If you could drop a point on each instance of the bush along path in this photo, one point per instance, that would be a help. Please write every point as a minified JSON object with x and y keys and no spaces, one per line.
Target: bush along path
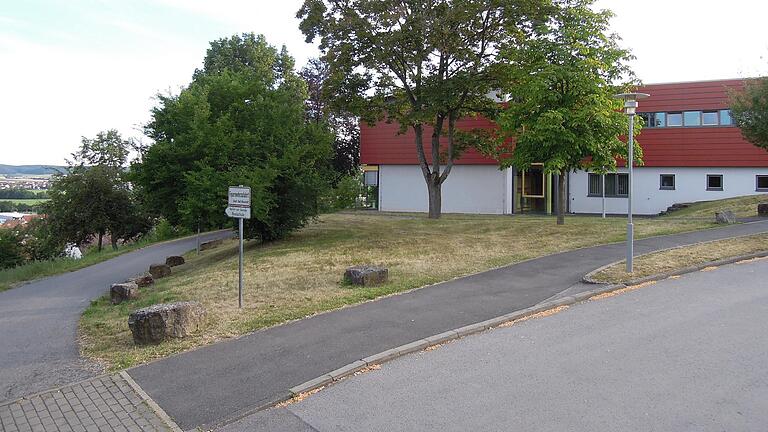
{"x":218,"y":383}
{"x":39,"y":320}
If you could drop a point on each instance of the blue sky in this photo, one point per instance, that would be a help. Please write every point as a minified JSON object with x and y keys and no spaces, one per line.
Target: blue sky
{"x":70,"y":68}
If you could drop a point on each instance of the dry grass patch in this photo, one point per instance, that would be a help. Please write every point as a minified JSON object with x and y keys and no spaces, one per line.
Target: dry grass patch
{"x":745,"y":206}
{"x":682,"y":257}
{"x":302,"y":275}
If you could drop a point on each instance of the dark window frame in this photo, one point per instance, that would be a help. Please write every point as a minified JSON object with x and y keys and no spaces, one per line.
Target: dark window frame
{"x":710,"y":188}
{"x":610,"y":177}
{"x":757,"y":183}
{"x":661,"y":182}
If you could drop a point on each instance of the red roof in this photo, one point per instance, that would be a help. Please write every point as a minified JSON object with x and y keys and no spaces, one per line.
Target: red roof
{"x":721,"y":146}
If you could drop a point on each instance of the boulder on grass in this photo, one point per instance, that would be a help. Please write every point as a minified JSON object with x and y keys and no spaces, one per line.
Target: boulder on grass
{"x":159,"y":270}
{"x":121,"y":292}
{"x":174,"y":261}
{"x":211,"y":244}
{"x":154,"y":324}
{"x":725,"y":217}
{"x":762,"y":209}
{"x":143,"y":280}
{"x":366,"y":275}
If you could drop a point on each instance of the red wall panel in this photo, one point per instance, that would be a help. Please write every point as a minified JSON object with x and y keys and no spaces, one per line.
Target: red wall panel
{"x":721,"y":146}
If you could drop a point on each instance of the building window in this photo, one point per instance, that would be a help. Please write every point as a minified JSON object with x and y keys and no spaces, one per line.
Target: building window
{"x":687,"y":118}
{"x":762,"y":183}
{"x":714,"y":182}
{"x":709,"y":118}
{"x":667,"y":182}
{"x":674,"y":119}
{"x":616,"y":185}
{"x":725,"y":117}
{"x":692,"y":118}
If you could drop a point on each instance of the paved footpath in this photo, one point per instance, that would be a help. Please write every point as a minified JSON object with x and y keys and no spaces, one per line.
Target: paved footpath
{"x":685,"y":354}
{"x":218,"y":383}
{"x":38,"y":320}
{"x":105,"y":403}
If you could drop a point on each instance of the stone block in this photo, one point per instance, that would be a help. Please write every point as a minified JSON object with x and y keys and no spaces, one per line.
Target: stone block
{"x":154,"y":324}
{"x":211,"y":244}
{"x":366,"y":275}
{"x":121,"y":292}
{"x":725,"y":217}
{"x":159,"y":270}
{"x":173,"y":261}
{"x":762,"y":209}
{"x":143,"y":280}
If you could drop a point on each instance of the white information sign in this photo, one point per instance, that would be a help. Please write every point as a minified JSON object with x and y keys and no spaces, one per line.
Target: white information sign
{"x":238,"y":212}
{"x":239,"y":196}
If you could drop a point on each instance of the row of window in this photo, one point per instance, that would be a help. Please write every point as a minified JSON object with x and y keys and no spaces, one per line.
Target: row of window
{"x":687,"y":118}
{"x":617,"y":185}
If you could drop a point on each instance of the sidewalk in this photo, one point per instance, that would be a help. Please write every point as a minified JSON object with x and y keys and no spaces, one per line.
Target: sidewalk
{"x":221,"y":382}
{"x":105,"y":403}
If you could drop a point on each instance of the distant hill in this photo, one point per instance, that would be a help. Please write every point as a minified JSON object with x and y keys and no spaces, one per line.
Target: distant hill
{"x":29,"y":169}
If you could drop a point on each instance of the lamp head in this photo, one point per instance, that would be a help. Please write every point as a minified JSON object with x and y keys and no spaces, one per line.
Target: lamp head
{"x":630,"y":101}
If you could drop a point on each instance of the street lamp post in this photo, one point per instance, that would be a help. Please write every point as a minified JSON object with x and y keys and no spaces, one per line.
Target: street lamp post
{"x":630,"y":107}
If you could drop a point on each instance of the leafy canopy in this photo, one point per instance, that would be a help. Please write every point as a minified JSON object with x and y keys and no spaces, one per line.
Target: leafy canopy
{"x":562,"y":78}
{"x":418,"y":62}
{"x":750,"y":111}
{"x":240,"y":122}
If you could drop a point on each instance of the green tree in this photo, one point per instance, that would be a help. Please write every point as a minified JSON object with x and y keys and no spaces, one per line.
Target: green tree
{"x":563,"y":77}
{"x":418,"y":63}
{"x":345,"y":126}
{"x":93,"y":197}
{"x":240,"y":122}
{"x":749,"y":108}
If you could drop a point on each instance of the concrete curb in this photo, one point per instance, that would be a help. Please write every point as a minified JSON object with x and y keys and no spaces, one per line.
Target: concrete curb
{"x":470,"y":329}
{"x":150,"y":403}
{"x":421,"y":344}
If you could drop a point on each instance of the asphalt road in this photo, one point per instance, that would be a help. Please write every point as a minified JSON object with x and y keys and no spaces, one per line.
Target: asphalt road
{"x":38,"y":321}
{"x":682,"y":355}
{"x":214,"y":384}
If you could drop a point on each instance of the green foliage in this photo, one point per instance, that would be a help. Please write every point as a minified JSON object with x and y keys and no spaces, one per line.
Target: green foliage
{"x":416,"y":63}
{"x":563,"y":77}
{"x":18,"y":193}
{"x":345,"y":126}
{"x":11,"y":251}
{"x":93,"y":198}
{"x":749,"y":108}
{"x":240,"y":122}
{"x":40,"y":242}
{"x":344,"y":195}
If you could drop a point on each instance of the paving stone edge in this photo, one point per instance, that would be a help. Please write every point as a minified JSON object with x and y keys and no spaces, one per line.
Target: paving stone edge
{"x":470,"y":329}
{"x":150,"y":403}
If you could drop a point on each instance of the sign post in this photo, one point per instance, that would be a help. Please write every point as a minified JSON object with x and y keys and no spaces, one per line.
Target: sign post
{"x":239,"y":207}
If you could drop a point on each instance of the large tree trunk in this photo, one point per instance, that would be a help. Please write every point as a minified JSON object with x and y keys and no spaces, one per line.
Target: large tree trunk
{"x":114,"y":241}
{"x":101,"y":238}
{"x":562,"y":200}
{"x":435,"y":190}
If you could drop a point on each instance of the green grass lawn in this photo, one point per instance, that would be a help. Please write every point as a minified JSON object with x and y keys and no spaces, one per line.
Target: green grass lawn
{"x":741,"y":206}
{"x":31,"y":201}
{"x":302,"y":274}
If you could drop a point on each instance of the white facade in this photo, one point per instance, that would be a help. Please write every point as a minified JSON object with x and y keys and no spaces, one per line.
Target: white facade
{"x":482,"y":189}
{"x":649,"y":199}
